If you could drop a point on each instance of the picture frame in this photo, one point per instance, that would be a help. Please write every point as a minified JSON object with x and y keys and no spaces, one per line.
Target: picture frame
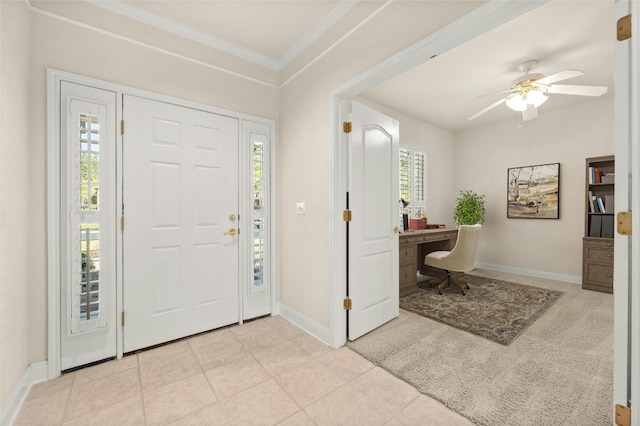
{"x":533,"y":192}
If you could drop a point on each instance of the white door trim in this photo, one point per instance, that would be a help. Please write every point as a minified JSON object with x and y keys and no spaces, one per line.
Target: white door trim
{"x":54,"y":77}
{"x":475,"y":23}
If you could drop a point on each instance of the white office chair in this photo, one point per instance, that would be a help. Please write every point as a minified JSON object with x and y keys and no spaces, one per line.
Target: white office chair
{"x":461,"y":258}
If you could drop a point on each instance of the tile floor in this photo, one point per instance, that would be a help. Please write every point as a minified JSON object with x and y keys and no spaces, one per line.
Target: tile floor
{"x":264,"y":372}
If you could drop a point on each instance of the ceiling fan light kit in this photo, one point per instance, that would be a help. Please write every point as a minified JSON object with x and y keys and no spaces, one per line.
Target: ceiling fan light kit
{"x":530,"y":91}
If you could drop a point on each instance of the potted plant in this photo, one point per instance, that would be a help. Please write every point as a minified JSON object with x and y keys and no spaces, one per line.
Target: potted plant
{"x":469,"y":208}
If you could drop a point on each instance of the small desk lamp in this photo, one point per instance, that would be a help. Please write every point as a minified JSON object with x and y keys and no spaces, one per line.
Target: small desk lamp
{"x":405,"y":215}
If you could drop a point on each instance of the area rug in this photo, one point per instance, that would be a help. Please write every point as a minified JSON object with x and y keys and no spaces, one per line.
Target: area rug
{"x":496,"y":310}
{"x":558,"y":372}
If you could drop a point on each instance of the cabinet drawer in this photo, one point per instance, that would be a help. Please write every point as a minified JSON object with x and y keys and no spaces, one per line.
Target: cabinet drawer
{"x":598,"y":273}
{"x":598,"y":242}
{"x":408,"y":275}
{"x":407,"y":254}
{"x":599,"y":253}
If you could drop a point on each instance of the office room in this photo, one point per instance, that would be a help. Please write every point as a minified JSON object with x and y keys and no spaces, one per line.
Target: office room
{"x":293,"y":106}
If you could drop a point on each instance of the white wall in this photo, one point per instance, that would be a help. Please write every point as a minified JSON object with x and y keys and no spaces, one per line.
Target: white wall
{"x":566,"y":136}
{"x":305,"y":148}
{"x":15,"y":149}
{"x":55,"y":44}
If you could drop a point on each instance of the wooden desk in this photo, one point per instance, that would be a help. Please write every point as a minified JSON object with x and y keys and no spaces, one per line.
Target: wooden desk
{"x":414,"y":246}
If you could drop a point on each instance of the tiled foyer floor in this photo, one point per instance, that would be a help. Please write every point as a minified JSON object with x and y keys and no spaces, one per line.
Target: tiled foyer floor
{"x":264,"y":372}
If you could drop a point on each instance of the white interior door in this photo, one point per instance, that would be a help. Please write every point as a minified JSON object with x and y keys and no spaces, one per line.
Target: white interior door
{"x":373,"y":244}
{"x":180,"y":201}
{"x":87,"y":229}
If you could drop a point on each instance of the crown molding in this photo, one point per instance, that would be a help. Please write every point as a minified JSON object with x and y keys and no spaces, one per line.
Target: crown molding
{"x":321,"y":27}
{"x":132,"y":12}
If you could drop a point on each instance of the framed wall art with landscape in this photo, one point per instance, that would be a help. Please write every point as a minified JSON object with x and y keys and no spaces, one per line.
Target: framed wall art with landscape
{"x":533,"y":192}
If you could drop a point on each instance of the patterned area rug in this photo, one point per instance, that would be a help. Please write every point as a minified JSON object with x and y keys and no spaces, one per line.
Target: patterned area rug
{"x":496,"y":310}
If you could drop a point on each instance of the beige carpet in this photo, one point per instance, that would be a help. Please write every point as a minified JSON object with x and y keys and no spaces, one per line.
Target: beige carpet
{"x":558,"y":372}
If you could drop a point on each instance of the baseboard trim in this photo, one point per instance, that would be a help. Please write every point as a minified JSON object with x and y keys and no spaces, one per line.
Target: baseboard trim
{"x":34,"y":373}
{"x":317,"y":330}
{"x":531,"y":272}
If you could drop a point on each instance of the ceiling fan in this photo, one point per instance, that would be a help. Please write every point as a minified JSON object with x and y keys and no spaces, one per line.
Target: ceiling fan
{"x":530,"y":91}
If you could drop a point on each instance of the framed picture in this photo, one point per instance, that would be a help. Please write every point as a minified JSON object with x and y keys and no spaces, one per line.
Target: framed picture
{"x":533,"y":192}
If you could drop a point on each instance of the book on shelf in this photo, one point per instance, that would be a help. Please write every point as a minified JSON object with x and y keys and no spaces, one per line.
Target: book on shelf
{"x":607,"y":227}
{"x":596,"y":175}
{"x":609,"y":204}
{"x":600,"y":205}
{"x":591,"y":207}
{"x":595,"y":226}
{"x":591,"y":175}
{"x":596,"y":206}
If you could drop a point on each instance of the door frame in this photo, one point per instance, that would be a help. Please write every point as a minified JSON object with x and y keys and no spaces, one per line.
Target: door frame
{"x":54,"y":78}
{"x":471,"y":25}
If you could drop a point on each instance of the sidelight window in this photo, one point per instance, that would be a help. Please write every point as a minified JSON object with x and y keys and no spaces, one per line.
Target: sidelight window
{"x":260,"y":212}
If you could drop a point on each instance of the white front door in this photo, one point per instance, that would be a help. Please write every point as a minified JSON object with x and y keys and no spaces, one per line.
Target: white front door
{"x":373,"y":201}
{"x":180,"y":202}
{"x":87,"y":229}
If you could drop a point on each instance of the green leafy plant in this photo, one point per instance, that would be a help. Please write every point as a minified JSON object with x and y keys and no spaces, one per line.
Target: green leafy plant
{"x":469,"y":208}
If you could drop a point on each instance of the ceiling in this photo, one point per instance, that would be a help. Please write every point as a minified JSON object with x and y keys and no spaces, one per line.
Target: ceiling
{"x":559,"y":35}
{"x":445,"y":90}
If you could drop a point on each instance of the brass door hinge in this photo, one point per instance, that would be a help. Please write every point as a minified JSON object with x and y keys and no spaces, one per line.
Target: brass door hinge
{"x":122,"y":223}
{"x":346,"y":304}
{"x":346,"y":126}
{"x":625,"y":226}
{"x":122,"y":318}
{"x":122,"y":127}
{"x":346,"y":215}
{"x":623,"y":28}
{"x":623,"y":415}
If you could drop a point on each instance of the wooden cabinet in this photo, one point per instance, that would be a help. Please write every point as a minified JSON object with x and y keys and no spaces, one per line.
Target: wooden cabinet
{"x":597,"y":244}
{"x":413,"y":247}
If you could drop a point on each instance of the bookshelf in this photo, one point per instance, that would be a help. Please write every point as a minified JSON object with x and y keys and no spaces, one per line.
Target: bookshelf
{"x":599,"y":224}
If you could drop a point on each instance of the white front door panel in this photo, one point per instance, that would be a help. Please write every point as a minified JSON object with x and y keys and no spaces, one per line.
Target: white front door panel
{"x":180,"y":191}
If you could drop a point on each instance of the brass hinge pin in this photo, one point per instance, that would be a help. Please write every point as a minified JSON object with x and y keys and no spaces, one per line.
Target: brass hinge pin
{"x":346,"y":304}
{"x":625,"y":225}
{"x":346,"y":215}
{"x":122,"y":223}
{"x":346,"y":127}
{"x":623,"y":28}
{"x":623,"y":415}
{"x":122,"y":127}
{"x":122,"y":318}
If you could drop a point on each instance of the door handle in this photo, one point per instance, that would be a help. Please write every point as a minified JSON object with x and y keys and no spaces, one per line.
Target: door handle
{"x":232,"y":217}
{"x":231,"y":232}
{"x":396,"y":229}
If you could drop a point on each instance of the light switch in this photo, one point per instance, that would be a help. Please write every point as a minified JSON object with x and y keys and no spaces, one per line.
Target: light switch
{"x":300,"y":208}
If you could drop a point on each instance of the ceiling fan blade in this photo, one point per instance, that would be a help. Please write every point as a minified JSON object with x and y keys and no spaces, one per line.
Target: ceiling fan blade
{"x":562,"y":75}
{"x":565,"y":89}
{"x":493,"y":105}
{"x":530,"y":113}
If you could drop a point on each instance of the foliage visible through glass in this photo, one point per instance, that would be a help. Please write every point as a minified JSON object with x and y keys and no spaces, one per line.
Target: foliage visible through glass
{"x":90,"y":272}
{"x":89,"y":161}
{"x":258,"y":175}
